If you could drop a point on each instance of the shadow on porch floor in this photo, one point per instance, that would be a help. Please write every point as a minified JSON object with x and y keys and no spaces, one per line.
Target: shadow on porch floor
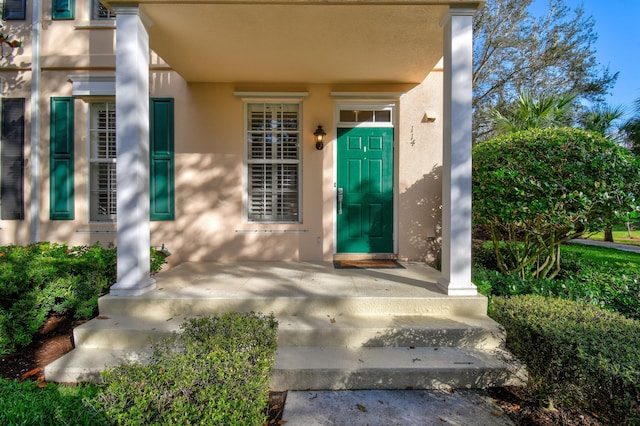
{"x":295,"y":279}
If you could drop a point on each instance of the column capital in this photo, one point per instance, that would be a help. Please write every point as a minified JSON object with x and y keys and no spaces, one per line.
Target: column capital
{"x":132,"y":9}
{"x":457,"y":11}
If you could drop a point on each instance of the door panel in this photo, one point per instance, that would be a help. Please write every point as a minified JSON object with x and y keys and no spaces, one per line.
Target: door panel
{"x":365,"y":173}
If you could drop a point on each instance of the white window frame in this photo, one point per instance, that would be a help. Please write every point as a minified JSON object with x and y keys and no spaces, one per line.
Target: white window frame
{"x":102,"y":153}
{"x":392,"y":104}
{"x":95,"y":12}
{"x":361,"y":107}
{"x":273,"y":157}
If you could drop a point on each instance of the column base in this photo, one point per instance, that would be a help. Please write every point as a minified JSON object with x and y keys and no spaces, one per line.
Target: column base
{"x":457,"y":289}
{"x":139,"y":289}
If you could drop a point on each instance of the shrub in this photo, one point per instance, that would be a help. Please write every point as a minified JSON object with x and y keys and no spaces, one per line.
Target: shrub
{"x":575,"y":353}
{"x":43,"y":279}
{"x":534,"y":190}
{"x":215,"y":371}
{"x":587,"y":276}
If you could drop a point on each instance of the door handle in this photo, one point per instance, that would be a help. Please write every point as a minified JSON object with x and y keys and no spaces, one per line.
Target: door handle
{"x":340,"y":198}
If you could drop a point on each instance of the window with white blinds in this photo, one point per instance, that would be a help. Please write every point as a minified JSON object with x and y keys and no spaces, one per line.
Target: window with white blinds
{"x":100,"y":11}
{"x":103,"y":162}
{"x":273,"y":162}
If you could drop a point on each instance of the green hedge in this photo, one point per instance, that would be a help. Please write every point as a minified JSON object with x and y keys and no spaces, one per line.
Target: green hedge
{"x":215,"y":372}
{"x":603,"y":277}
{"x":576,"y":353}
{"x":44,"y":279}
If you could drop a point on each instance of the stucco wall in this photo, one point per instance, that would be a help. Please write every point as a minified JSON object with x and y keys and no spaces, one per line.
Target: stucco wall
{"x":210,"y":219}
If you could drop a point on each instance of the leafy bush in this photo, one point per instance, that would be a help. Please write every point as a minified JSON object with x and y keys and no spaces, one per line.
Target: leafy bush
{"x":43,"y":279}
{"x":587,"y":276}
{"x":27,"y":404}
{"x":216,"y":371}
{"x":534,"y":190}
{"x":575,"y":353}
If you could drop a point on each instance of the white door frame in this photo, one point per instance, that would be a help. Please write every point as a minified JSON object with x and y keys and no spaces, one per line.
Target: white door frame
{"x":361,"y":104}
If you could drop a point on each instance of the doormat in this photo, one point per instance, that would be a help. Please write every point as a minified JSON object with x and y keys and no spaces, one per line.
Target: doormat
{"x":367,"y":264}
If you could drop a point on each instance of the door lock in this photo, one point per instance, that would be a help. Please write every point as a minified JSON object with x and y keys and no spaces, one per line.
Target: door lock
{"x":340,"y":198}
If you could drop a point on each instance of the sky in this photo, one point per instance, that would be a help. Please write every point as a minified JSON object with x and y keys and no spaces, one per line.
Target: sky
{"x":617,"y":23}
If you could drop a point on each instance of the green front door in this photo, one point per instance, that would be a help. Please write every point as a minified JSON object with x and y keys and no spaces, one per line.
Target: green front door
{"x":365,"y":190}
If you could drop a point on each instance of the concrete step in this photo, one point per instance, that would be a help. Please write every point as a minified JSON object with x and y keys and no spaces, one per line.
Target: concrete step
{"x":86,"y":364}
{"x":352,"y":331}
{"x":162,"y":305}
{"x":122,"y":332}
{"x":302,"y":368}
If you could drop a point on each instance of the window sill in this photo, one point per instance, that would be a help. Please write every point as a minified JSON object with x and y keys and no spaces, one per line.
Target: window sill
{"x":271,"y":231}
{"x":109,"y":24}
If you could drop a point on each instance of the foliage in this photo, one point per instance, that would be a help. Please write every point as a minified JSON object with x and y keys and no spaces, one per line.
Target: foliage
{"x":603,"y":120}
{"x":575,"y":353}
{"x":535,"y":189}
{"x":515,"y":52}
{"x":43,"y":279}
{"x":604,"y":277}
{"x":5,"y":40}
{"x":28,"y":404}
{"x":530,"y":112}
{"x":216,"y":371}
{"x":631,"y":130}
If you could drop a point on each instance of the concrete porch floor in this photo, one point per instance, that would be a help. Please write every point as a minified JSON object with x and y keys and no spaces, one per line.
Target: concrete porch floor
{"x":296,"y":288}
{"x":295,"y":279}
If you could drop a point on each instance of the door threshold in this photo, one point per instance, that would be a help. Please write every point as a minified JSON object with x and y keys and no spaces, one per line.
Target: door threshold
{"x":364,"y":256}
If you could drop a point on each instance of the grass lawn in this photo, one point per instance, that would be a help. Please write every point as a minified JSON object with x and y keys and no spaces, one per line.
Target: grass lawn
{"x":620,"y":235}
{"x":29,"y":404}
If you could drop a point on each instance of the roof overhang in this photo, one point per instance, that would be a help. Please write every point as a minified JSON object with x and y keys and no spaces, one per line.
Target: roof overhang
{"x":298,"y":41}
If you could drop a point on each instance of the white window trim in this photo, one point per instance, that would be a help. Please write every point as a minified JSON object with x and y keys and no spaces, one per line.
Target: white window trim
{"x":93,"y":12}
{"x":91,"y":161}
{"x":366,"y":106}
{"x":294,"y":100}
{"x":92,"y":85}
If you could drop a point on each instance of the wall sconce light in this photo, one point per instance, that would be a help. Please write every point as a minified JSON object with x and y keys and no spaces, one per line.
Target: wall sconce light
{"x":319,"y":135}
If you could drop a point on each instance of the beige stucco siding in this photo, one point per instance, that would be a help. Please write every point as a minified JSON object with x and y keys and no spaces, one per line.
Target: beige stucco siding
{"x":210,"y":220}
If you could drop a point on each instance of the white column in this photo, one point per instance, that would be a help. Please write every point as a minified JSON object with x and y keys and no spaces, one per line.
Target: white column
{"x":132,"y":152}
{"x":455,"y":277}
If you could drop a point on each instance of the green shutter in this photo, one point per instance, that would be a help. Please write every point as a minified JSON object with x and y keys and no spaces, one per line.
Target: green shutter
{"x":14,"y":10}
{"x":12,"y":160}
{"x":63,"y":9}
{"x":161,"y":153}
{"x":61,"y":190}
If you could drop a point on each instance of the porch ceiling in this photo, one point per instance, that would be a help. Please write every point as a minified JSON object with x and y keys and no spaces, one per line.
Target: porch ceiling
{"x":296,"y":41}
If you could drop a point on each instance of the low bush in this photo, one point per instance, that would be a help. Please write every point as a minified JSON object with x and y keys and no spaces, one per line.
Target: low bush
{"x":575,"y":353}
{"x":52,"y":405}
{"x":216,"y":371}
{"x":603,"y":277}
{"x":44,"y":279}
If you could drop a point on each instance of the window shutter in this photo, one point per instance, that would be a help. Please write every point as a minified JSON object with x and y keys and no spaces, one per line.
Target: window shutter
{"x":12,"y":160}
{"x":14,"y":10}
{"x":161,"y":152}
{"x":63,"y":9}
{"x":61,"y":197}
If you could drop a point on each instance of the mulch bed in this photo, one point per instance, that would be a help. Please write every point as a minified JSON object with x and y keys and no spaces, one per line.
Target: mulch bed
{"x":523,"y":409}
